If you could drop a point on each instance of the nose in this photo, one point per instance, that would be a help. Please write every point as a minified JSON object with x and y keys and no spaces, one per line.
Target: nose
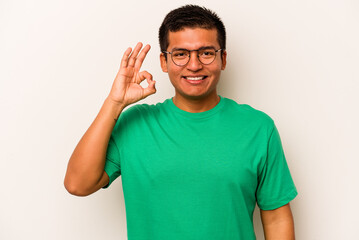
{"x":194,"y":64}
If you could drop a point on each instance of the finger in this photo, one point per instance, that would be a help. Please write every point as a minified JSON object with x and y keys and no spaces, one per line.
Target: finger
{"x":136,"y":50}
{"x":150,"y":89}
{"x":125,"y":57}
{"x":144,"y":75}
{"x":142,"y":57}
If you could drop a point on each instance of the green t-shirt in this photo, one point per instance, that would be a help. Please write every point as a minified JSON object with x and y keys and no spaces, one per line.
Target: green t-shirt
{"x":197,"y":175}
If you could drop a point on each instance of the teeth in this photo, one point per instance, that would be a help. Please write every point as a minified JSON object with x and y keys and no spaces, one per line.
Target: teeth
{"x":194,"y":78}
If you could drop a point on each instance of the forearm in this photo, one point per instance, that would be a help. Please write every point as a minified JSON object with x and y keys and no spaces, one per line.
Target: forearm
{"x":86,"y":165}
{"x":85,"y":172}
{"x":278,"y":224}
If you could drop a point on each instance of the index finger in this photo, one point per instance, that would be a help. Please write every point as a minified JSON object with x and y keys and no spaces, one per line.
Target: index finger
{"x":141,"y":57}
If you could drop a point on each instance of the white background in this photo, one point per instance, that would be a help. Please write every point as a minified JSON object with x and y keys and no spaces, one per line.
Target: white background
{"x":297,"y":61}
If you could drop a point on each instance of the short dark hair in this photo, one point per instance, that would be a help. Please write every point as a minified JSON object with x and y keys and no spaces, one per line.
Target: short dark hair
{"x":191,"y":16}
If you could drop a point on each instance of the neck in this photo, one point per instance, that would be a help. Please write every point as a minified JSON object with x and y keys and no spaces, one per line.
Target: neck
{"x":196,"y":105}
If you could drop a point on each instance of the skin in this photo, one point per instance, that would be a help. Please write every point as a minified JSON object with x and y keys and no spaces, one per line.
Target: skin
{"x":194,"y":97}
{"x":278,"y":224}
{"x":85,"y":172}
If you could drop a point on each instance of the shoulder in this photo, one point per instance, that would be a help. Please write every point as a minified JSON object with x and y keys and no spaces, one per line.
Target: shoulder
{"x":143,"y":111}
{"x":247,"y":112}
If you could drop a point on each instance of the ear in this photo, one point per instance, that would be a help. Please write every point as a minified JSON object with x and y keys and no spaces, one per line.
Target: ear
{"x":163,"y":62}
{"x":224,"y":59}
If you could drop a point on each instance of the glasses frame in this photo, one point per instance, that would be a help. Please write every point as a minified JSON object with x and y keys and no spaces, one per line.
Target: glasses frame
{"x":189,"y":57}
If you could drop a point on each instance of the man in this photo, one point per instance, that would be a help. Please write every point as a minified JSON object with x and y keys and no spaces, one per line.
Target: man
{"x":194,"y":166}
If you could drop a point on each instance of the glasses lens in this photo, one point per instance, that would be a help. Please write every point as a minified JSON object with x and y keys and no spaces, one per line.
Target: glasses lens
{"x":206,"y":56}
{"x":180,"y":57}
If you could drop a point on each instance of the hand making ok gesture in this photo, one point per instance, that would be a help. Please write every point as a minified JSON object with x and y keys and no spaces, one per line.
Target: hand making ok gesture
{"x":126,"y":88}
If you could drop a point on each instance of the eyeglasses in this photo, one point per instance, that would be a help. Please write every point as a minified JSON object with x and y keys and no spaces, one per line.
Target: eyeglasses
{"x":205,"y":55}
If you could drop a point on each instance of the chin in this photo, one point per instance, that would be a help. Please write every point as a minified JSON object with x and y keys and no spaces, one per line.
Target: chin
{"x":196,"y":96}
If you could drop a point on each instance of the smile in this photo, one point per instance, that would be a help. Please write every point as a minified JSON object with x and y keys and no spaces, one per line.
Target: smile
{"x":193,"y":78}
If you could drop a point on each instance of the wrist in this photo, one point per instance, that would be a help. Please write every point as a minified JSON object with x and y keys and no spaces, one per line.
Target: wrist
{"x":115,"y":107}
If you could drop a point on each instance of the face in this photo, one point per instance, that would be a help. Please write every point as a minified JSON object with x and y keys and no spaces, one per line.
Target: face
{"x":194,"y":80}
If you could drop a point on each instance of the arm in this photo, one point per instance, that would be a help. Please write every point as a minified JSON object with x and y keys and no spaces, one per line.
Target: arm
{"x":85,"y":171}
{"x":278,"y":224}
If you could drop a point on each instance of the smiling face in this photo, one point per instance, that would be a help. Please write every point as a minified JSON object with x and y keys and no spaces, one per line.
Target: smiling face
{"x":194,"y":80}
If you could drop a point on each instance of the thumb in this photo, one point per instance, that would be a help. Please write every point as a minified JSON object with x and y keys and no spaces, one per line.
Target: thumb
{"x":150,"y":89}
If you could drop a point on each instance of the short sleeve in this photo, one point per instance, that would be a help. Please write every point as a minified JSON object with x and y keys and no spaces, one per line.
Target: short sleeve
{"x":113,"y":163}
{"x":275,"y":184}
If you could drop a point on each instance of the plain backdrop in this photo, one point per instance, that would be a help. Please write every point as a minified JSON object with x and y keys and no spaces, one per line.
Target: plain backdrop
{"x":297,"y":61}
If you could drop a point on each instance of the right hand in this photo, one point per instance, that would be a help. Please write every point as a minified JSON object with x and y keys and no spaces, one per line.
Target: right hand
{"x":126,"y":88}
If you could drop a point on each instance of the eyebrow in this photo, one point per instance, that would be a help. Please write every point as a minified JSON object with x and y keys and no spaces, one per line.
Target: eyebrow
{"x":201,"y":48}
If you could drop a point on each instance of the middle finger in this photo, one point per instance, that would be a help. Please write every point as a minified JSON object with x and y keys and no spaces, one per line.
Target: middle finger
{"x":133,"y":56}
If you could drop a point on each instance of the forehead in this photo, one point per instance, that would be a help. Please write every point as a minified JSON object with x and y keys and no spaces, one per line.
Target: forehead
{"x":193,"y":38}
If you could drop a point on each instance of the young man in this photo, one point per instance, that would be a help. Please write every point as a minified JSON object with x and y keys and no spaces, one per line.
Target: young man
{"x":194,"y":166}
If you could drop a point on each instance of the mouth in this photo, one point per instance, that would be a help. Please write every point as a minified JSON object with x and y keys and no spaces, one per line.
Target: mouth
{"x":195,"y":79}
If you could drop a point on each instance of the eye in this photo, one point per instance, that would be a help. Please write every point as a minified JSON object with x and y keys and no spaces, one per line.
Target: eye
{"x":208,"y":53}
{"x":179,"y":54}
